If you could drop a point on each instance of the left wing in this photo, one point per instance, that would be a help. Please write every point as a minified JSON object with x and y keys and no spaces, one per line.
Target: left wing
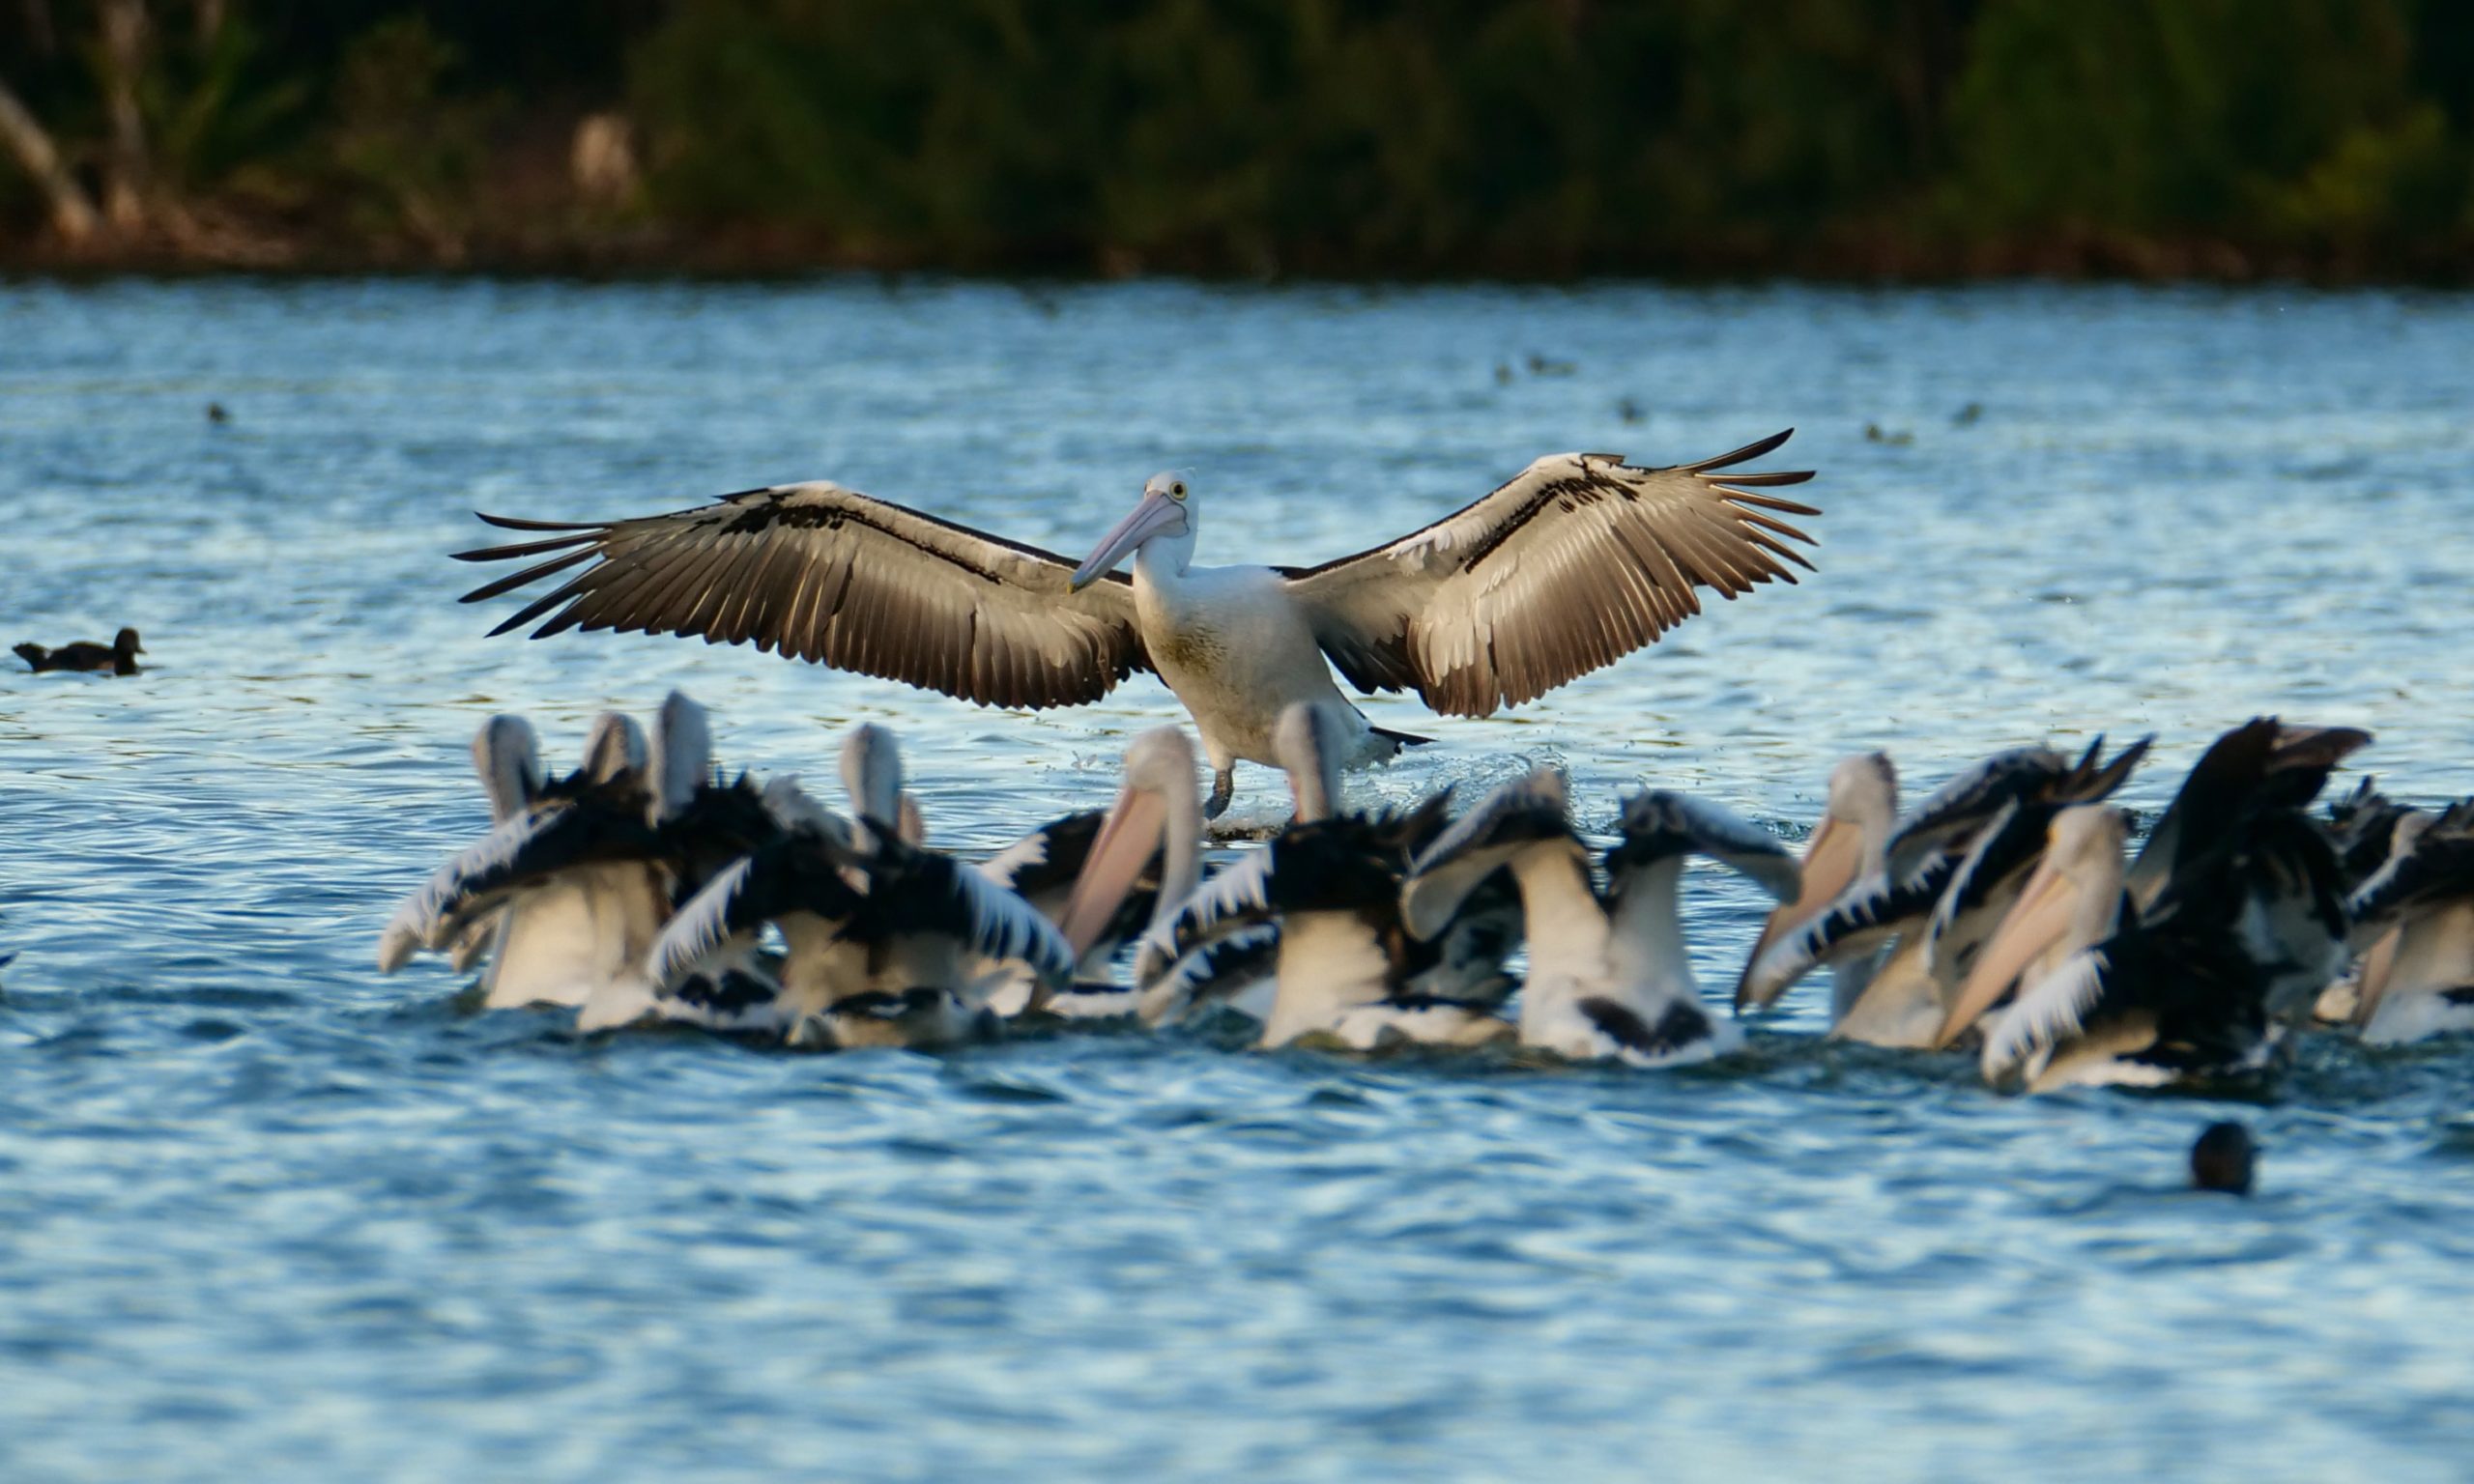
{"x":1578,"y":562}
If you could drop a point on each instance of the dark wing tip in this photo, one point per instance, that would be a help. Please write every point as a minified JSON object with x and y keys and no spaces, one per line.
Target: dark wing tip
{"x":519,"y":523}
{"x":1745,"y":454}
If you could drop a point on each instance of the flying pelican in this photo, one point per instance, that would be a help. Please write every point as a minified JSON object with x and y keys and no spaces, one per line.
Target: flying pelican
{"x":2418,"y":982}
{"x":1577,"y":562}
{"x":1608,"y":977}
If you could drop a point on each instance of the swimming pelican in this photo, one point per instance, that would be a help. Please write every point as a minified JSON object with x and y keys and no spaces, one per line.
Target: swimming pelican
{"x":1129,"y":874}
{"x":581,"y":872}
{"x":2418,"y":909}
{"x":887,"y":941}
{"x":1608,"y":977}
{"x":1330,"y":884}
{"x":1849,"y":845}
{"x":506,"y":755}
{"x":2191,"y":979}
{"x":1577,"y":562}
{"x":1941,"y":884}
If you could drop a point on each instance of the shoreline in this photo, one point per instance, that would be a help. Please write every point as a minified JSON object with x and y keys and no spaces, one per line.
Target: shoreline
{"x":757,"y":256}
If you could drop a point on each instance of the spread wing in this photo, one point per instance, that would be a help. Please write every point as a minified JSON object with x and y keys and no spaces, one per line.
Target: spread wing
{"x":1579,"y":560}
{"x":829,"y":575}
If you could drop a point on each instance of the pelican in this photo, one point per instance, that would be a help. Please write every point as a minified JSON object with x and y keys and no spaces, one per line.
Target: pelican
{"x":1850,"y":844}
{"x":2189,"y":978}
{"x":1154,"y":829}
{"x":506,"y":755}
{"x":2123,"y":996}
{"x":2363,"y":826}
{"x":1330,"y":884}
{"x":886,"y":940}
{"x":1573,"y":564}
{"x":1937,"y":886}
{"x":1608,"y":977}
{"x":2418,"y":980}
{"x":583,"y":873}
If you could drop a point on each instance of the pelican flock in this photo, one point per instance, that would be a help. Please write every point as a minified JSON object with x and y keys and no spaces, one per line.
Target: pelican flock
{"x":2012,"y":915}
{"x":1575,"y":562}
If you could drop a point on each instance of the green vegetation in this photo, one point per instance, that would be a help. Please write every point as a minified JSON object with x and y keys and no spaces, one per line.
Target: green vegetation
{"x":1382,"y":137}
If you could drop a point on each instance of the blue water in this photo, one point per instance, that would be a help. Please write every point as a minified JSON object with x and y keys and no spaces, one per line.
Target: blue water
{"x":266,"y":1216}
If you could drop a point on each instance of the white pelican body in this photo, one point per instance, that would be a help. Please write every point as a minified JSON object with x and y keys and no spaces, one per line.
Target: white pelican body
{"x":1572,"y":564}
{"x":579,"y":879}
{"x":1232,"y":648}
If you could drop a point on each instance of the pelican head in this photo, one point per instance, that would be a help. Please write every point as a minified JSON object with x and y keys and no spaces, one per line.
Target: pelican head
{"x":1156,"y":810}
{"x":1165,"y":513}
{"x":1527,"y":813}
{"x":614,"y":749}
{"x":872,"y":774}
{"x":1853,"y":832}
{"x":2068,"y":905}
{"x":1310,"y":739}
{"x":508,"y":755}
{"x":681,"y":756}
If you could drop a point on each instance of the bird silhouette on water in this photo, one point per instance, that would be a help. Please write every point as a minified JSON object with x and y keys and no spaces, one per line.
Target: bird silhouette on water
{"x":2222,"y":1158}
{"x":119,"y":657}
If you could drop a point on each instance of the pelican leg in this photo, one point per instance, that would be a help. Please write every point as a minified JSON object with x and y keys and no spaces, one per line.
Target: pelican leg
{"x":1223,"y":787}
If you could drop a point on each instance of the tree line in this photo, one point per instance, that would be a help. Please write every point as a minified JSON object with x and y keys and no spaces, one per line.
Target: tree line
{"x":1346,"y":137}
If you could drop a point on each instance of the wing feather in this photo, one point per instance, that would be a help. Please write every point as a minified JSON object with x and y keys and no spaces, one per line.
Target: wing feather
{"x":2045,"y":1014}
{"x":1575,"y":563}
{"x":832,"y":576}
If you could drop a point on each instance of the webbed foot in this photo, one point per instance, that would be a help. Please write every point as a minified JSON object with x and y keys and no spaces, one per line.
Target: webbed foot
{"x":1223,"y":787}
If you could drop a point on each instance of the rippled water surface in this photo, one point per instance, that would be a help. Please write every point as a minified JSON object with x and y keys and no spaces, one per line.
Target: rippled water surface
{"x":264,"y":1215}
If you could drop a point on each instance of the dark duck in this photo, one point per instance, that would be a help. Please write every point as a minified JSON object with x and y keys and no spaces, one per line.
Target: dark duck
{"x":119,"y":657}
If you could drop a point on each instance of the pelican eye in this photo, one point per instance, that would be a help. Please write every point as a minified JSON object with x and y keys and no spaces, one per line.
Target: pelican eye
{"x":1177,"y":491}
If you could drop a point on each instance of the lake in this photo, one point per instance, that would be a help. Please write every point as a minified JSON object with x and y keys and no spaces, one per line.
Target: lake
{"x":265,"y":1215}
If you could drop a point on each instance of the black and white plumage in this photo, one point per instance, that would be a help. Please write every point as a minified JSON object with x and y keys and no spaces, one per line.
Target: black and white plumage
{"x":707,"y":966}
{"x":1577,"y":562}
{"x":1238,"y":968}
{"x":1107,"y":877}
{"x":1849,"y":845}
{"x":2363,"y":825}
{"x":2245,"y":920}
{"x":579,"y":879}
{"x":506,"y":755}
{"x":2416,"y":914}
{"x":1945,"y":877}
{"x":1609,"y":977}
{"x":1330,"y":882}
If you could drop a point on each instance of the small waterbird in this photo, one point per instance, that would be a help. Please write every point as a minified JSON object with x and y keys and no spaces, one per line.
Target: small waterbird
{"x":119,"y":657}
{"x":2223,"y":1159}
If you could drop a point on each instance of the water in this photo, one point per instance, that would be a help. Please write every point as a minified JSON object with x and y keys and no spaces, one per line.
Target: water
{"x":264,"y":1214}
